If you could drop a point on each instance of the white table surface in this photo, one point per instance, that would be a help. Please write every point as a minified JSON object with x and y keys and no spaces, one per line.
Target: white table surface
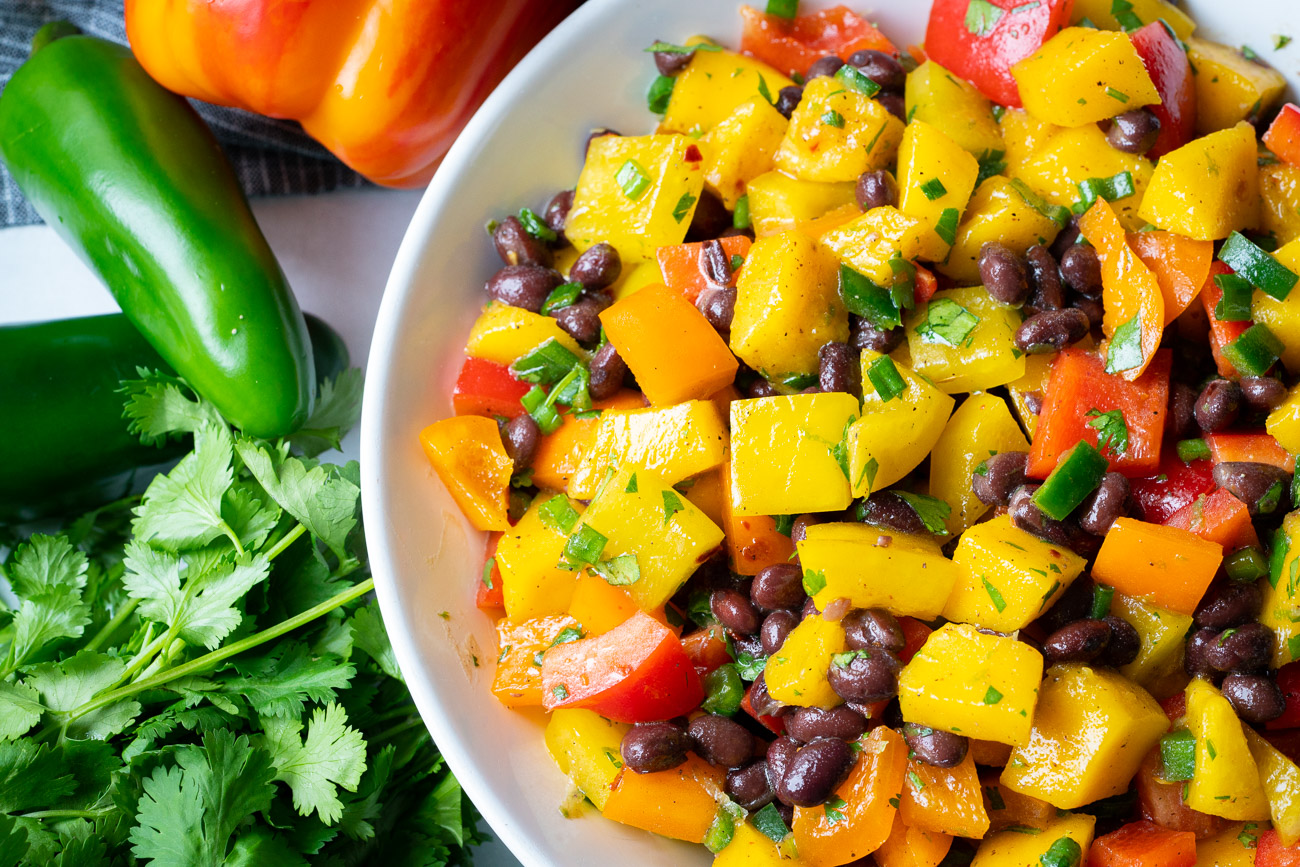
{"x":336,"y":250}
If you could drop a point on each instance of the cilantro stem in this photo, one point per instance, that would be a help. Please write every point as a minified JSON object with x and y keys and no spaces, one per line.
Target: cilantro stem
{"x":392,"y":732}
{"x":232,"y":536}
{"x":68,"y":814}
{"x":288,"y":539}
{"x":111,"y":626}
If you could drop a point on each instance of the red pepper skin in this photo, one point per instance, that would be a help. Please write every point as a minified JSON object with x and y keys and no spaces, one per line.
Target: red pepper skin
{"x":1283,"y":137}
{"x":1219,"y":517}
{"x":1253,"y":447}
{"x":707,"y":649}
{"x":487,"y":388}
{"x":774,"y":724}
{"x":1171,"y":73}
{"x":915,"y":634}
{"x":986,"y":61}
{"x":492,"y":598}
{"x":636,"y":672}
{"x":1288,"y":679}
{"x":1271,"y":853}
{"x":1175,"y":486}
{"x":1175,"y":707}
{"x":793,"y":46}
{"x":1221,"y":333}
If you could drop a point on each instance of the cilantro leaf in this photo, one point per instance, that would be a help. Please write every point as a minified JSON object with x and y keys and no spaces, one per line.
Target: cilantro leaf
{"x":932,"y":511}
{"x":65,"y":686}
{"x":182,"y":509}
{"x":619,"y":571}
{"x":20,"y":709}
{"x":337,"y":411}
{"x":368,"y":634}
{"x":279,"y":683}
{"x":14,"y":846}
{"x":332,"y":756}
{"x":159,"y":406}
{"x":31,"y":776}
{"x":260,"y":846}
{"x":48,"y":575}
{"x":323,"y":502}
{"x":1112,"y":430}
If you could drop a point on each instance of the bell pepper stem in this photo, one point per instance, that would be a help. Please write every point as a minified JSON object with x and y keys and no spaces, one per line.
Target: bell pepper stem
{"x":52,"y":32}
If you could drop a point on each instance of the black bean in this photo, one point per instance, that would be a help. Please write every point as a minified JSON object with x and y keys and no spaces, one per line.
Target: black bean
{"x":557,"y":211}
{"x":1262,"y":393}
{"x":761,"y":388}
{"x":880,"y":67}
{"x":1182,"y":410}
{"x":1028,"y":517}
{"x":809,"y":608}
{"x":1080,"y":641}
{"x":1045,"y":279}
{"x":525,"y":286}
{"x":877,"y":189}
{"x":1067,"y":238}
{"x":865,"y":676}
{"x":651,"y":747}
{"x":809,"y":723}
{"x":788,"y":99}
{"x":607,"y":371}
{"x":718,"y":306}
{"x":1052,"y":331}
{"x":516,"y":247}
{"x":1196,"y":660}
{"x":779,"y":754}
{"x":1264,"y":488}
{"x":997,"y":477}
{"x":1134,"y":132}
{"x":714,"y":264}
{"x":864,"y":335}
{"x":597,"y":268}
{"x":890,"y":511}
{"x":672,"y":62}
{"x":1081,"y":268}
{"x":1003,"y":273}
{"x":778,"y":586}
{"x":894,"y":104}
{"x":869,"y":628}
{"x":1125,"y":643}
{"x":1246,"y":649}
{"x":734,"y":611}
{"x":814,"y":772}
{"x":1255,"y":697}
{"x":835,"y":366}
{"x":1227,"y":604}
{"x":938,"y":748}
{"x":799,"y":530}
{"x":1100,"y":509}
{"x":580,"y":320}
{"x":827,"y":64}
{"x":1219,"y":405}
{"x":721,"y":741}
{"x":597,"y":133}
{"x":1091,"y":307}
{"x":711,"y":218}
{"x":520,"y":437}
{"x":761,"y":700}
{"x":776,"y":628}
{"x":749,"y":786}
{"x":747,"y":645}
{"x":1074,"y":604}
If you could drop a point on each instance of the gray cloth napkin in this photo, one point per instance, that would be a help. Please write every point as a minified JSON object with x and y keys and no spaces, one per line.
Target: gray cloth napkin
{"x":271,"y":157}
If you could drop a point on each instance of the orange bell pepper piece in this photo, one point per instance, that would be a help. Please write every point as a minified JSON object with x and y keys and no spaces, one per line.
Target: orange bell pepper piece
{"x":520,"y":650}
{"x":598,"y":605}
{"x":489,"y":592}
{"x":1130,"y":291}
{"x":1167,"y":566}
{"x":707,"y":649}
{"x":467,"y":454}
{"x":683,"y":270}
{"x":1219,"y":517}
{"x":753,"y":543}
{"x":859,"y":827}
{"x":1221,"y":333}
{"x":1008,"y":809}
{"x":907,"y":846}
{"x":706,"y":492}
{"x":671,"y":349}
{"x":1253,"y":447}
{"x":791,"y":45}
{"x":1180,"y":264}
{"x":386,"y":85}
{"x":681,"y":803}
{"x":945,"y":800}
{"x":560,"y":453}
{"x":1143,"y":844}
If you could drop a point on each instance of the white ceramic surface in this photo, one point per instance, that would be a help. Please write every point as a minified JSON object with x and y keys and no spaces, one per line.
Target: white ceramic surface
{"x":521,"y":147}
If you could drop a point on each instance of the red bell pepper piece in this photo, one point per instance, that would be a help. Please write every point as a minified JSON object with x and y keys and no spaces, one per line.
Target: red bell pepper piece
{"x":1221,"y":333}
{"x":1170,"y":71}
{"x":1175,"y":707}
{"x":1219,"y":517}
{"x":1271,"y":853}
{"x":1144,"y":844}
{"x":793,"y":45}
{"x":914,"y":635}
{"x":774,"y":724}
{"x":490,"y":597}
{"x":1286,"y":742}
{"x":1079,"y":384}
{"x":1283,"y":137}
{"x":983,"y":48}
{"x":1255,"y":447}
{"x":1175,"y":486}
{"x":926,"y":285}
{"x":487,"y":388}
{"x":683,"y":270}
{"x":707,"y":649}
{"x":1288,"y":679}
{"x":636,"y":672}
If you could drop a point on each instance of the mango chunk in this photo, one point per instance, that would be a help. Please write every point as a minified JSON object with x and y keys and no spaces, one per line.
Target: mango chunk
{"x":1014,"y":848}
{"x":1229,"y":87}
{"x":779,"y":203}
{"x":1208,"y":188}
{"x":1279,"y":190}
{"x":1162,"y":633}
{"x":1281,"y":780}
{"x":1283,"y":317}
{"x":1090,"y":734}
{"x":1226,"y":781}
{"x":505,"y":334}
{"x":1068,"y":159}
{"x":935,"y":174}
{"x":990,"y":695}
{"x":526,"y":556}
{"x":1284,"y":422}
{"x":1103,"y":13}
{"x":1022,"y":136}
{"x":999,"y":211}
{"x":587,"y":747}
{"x":980,"y":428}
{"x":908,"y":575}
{"x":963,"y":341}
{"x":837,"y":133}
{"x":713,"y":86}
{"x":1008,"y":577}
{"x":797,"y":673}
{"x":742,"y":147}
{"x":750,"y":847}
{"x":786,"y":454}
{"x":935,"y":96}
{"x":1234,"y":846}
{"x":868,"y":243}
{"x":1281,"y":608}
{"x":1082,"y":76}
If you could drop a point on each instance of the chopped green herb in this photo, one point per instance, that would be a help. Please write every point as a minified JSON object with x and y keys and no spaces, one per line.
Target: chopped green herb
{"x":566,"y":635}
{"x":947,"y":322}
{"x":672,"y":505}
{"x":885,"y":378}
{"x":631,"y":485}
{"x":1249,"y":53}
{"x":1125,"y":352}
{"x":934,"y":189}
{"x":723,"y":690}
{"x":770,"y":824}
{"x":946,"y":228}
{"x":999,"y":111}
{"x":1117,"y":94}
{"x":721,"y":832}
{"x":835,"y":809}
{"x":632,"y":179}
{"x":915,"y":779}
{"x":1064,"y":852}
{"x":558,"y":514}
{"x":854,"y":79}
{"x":658,"y":96}
{"x":991,"y":162}
{"x":814,"y":582}
{"x":1263,"y":271}
{"x":560,"y":691}
{"x":683,"y":207}
{"x":545,"y":365}
{"x":1234,"y":305}
{"x":783,"y":8}
{"x":1193,"y":450}
{"x":1102,"y":595}
{"x":670,"y":48}
{"x":763,"y":89}
{"x":619,"y":571}
{"x":1112,"y":430}
{"x":994,"y":594}
{"x":932,"y":511}
{"x":585,"y":546}
{"x":1125,"y":16}
{"x":982,"y":17}
{"x":864,"y":298}
{"x":535,"y":226}
{"x":490,"y":565}
{"x":561,"y":296}
{"x":833,"y":118}
{"x":740,"y":218}
{"x":992,"y":696}
{"x":1280,"y":41}
{"x":1056,"y":213}
{"x":994,"y":795}
{"x":1245,"y":566}
{"x":1178,"y":756}
{"x":1111,"y":189}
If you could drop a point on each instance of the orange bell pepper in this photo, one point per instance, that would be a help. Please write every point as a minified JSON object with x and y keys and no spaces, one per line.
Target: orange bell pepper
{"x":386,"y":86}
{"x":1221,"y":333}
{"x":907,"y":846}
{"x":489,"y":592}
{"x":520,"y":651}
{"x":792,"y":45}
{"x":1253,"y":447}
{"x":1143,"y":844}
{"x":1167,"y":566}
{"x":842,"y":834}
{"x":671,"y":349}
{"x":467,"y":453}
{"x":560,"y":453}
{"x":682,"y":269}
{"x":707,"y":649}
{"x":945,"y":800}
{"x":1219,"y":517}
{"x":1283,"y":137}
{"x":753,"y":543}
{"x":598,"y":605}
{"x":1008,"y":809}
{"x":1130,"y":291}
{"x":681,"y":803}
{"x":1180,"y":264}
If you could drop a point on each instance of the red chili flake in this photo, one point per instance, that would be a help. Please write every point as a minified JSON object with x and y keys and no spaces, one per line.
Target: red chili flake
{"x":693,"y":154}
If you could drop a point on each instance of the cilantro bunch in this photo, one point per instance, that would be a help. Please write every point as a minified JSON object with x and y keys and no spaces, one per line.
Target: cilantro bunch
{"x":196,"y":677}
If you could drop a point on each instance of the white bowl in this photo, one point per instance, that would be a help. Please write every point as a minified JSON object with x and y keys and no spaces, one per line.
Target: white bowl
{"x":521,"y":147}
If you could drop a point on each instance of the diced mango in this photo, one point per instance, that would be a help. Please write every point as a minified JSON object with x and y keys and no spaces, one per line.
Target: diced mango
{"x":907,"y":575}
{"x":960,"y":355}
{"x":1281,"y":781}
{"x":1162,"y":633}
{"x":1229,"y":87}
{"x":786,"y":453}
{"x":893,"y":436}
{"x":991,"y":694}
{"x":1284,"y":422}
{"x":674,"y":442}
{"x":1014,"y":848}
{"x":1208,"y":188}
{"x":681,"y":803}
{"x":997,"y":212}
{"x":713,"y":86}
{"x":1234,"y":846}
{"x":1007,"y":808}
{"x":1057,"y":168}
{"x":934,"y":174}
{"x":1091,"y":732}
{"x":527,"y":556}
{"x":505,"y":334}
{"x":635,"y":192}
{"x":742,"y":147}
{"x":837,"y":133}
{"x":788,"y":306}
{"x":750,"y":847}
{"x":980,"y":428}
{"x":639,"y":513}
{"x":1283,"y":317}
{"x":1103,"y":14}
{"x":517,"y":681}
{"x":635,"y":277}
{"x":1281,"y":608}
{"x":937,"y":97}
{"x":868,"y":243}
{"x":1226,"y":782}
{"x":1023,"y":135}
{"x":1082,"y":76}
{"x":779,"y":203}
{"x":587,"y":747}
{"x":797,"y":673}
{"x":1279,"y":190}
{"x":467,"y":454}
{"x":1008,"y":577}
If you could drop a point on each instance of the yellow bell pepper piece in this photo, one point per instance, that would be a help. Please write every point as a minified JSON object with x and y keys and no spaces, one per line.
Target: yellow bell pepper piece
{"x":713,"y":86}
{"x":1163,"y":635}
{"x":467,"y":454}
{"x":837,"y":133}
{"x":526,"y":557}
{"x":1082,"y":76}
{"x":1226,"y":782}
{"x":750,"y":847}
{"x":779,"y":203}
{"x":935,"y":96}
{"x":742,"y":147}
{"x":1284,"y":422}
{"x":934,"y":174}
{"x":635,"y":192}
{"x":1102,"y":13}
{"x":867,"y":243}
{"x":1023,"y":135}
{"x":797,"y":673}
{"x":1234,"y":846}
{"x":674,"y":442}
{"x":1281,"y":608}
{"x":1208,"y":188}
{"x":1091,"y":732}
{"x":1057,"y":168}
{"x":907,"y":575}
{"x":980,"y":428}
{"x":990,"y":694}
{"x":638,"y":513}
{"x":505,"y":334}
{"x":587,"y":747}
{"x":1229,"y":87}
{"x":788,"y":306}
{"x":984,"y":354}
{"x":786,"y":454}
{"x":997,"y":212}
{"x":1281,"y":780}
{"x":894,"y":436}
{"x":1008,"y":577}
{"x":1279,"y":189}
{"x":1283,"y":317}
{"x":1014,"y":848}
